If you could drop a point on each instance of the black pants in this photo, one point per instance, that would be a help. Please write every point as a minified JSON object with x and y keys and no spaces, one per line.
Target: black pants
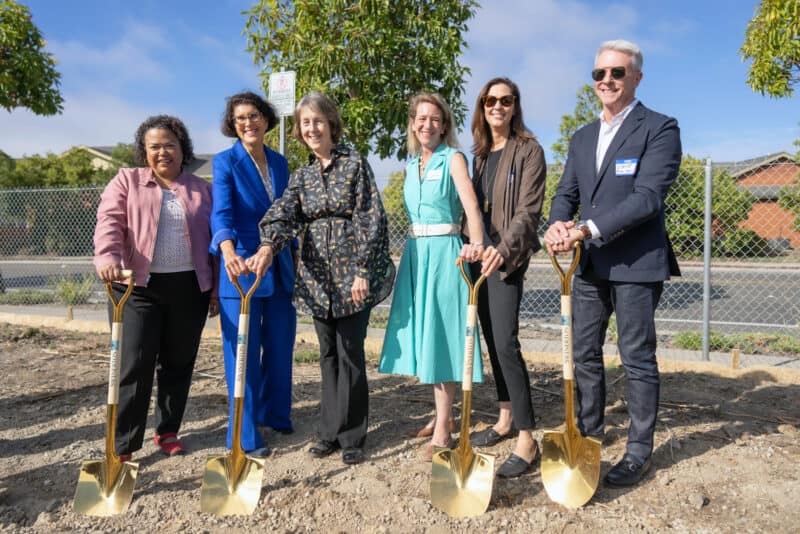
{"x":635,"y":304}
{"x":498,"y":309}
{"x":161,"y":328}
{"x":345,"y":397}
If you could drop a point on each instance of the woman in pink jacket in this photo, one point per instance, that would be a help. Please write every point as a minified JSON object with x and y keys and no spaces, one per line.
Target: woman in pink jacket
{"x":155,"y":221}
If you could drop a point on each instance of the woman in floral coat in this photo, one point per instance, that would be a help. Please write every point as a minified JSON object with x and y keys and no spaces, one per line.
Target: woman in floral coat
{"x":345,"y":267}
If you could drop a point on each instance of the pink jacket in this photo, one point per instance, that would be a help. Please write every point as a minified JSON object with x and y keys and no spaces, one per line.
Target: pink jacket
{"x":127,"y":222}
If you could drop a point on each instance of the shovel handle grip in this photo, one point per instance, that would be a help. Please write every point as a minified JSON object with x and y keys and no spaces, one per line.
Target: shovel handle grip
{"x":116,"y":336}
{"x":472,"y":322}
{"x":566,"y":310}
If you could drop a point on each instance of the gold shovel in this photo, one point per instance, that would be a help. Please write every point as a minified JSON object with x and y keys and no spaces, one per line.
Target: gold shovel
{"x":105,"y":487}
{"x":232,"y":483}
{"x":570,"y":462}
{"x":461,"y":480}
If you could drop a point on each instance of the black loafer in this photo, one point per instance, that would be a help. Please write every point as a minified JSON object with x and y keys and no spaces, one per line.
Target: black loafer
{"x":627,"y":472}
{"x":515,"y":466}
{"x":323,"y":448}
{"x":352,"y":455}
{"x":488,"y":437}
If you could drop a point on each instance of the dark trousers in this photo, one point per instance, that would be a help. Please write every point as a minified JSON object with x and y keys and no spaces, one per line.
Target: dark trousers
{"x":635,"y":304}
{"x":268,"y":377}
{"x":345,"y":398}
{"x":161,"y":328}
{"x":498,"y":310}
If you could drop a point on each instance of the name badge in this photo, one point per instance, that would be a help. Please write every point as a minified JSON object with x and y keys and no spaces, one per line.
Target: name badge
{"x":434,"y":174}
{"x":626,"y":167}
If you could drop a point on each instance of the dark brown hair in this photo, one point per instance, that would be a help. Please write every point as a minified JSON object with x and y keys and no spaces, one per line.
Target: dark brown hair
{"x":228,"y":127}
{"x":165,"y":122}
{"x":481,"y":133}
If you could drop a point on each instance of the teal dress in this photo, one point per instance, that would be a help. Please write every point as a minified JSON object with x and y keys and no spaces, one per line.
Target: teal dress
{"x":427,"y":322}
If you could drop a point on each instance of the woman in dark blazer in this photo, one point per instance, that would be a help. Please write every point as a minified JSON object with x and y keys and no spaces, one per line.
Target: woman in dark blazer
{"x":509,"y":179}
{"x":248,"y":178}
{"x":345,"y":267}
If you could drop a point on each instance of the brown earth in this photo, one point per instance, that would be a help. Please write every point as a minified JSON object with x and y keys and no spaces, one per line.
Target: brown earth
{"x":727,"y":457}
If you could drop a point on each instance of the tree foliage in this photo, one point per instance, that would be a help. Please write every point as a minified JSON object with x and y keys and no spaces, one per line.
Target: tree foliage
{"x":730,"y":205}
{"x":72,"y":168}
{"x":772,"y":41}
{"x":587,"y":107}
{"x":28,"y":77}
{"x":789,"y":196}
{"x":123,"y":155}
{"x":369,"y":56}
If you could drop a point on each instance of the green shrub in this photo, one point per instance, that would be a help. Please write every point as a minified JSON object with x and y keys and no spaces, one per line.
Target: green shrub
{"x":748,"y":343}
{"x":22,"y":297}
{"x":744,"y":243}
{"x":71,"y":291}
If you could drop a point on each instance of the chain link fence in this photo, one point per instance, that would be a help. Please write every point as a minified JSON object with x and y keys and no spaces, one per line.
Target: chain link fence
{"x":753,"y":266}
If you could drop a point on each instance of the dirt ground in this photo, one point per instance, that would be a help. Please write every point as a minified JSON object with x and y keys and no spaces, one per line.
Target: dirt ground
{"x":727,"y":457}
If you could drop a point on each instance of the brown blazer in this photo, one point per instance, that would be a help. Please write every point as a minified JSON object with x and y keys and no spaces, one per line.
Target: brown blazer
{"x":520,"y":183}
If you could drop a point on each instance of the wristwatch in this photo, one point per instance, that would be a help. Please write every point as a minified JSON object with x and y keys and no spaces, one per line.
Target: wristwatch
{"x":584,"y":229}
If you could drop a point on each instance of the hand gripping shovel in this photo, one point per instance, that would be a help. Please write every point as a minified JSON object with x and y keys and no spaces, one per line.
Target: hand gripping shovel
{"x":461,"y":480}
{"x":570,"y":462}
{"x":232,"y":483}
{"x":105,"y":487}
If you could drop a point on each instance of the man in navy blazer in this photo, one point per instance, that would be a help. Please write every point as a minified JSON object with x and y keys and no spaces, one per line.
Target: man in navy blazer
{"x":618,"y":171}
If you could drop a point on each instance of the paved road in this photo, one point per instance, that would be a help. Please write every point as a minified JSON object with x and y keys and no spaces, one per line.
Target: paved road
{"x":760,"y":298}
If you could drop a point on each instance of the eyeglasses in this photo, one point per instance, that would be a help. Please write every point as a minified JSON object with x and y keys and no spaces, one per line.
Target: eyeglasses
{"x":252,"y":117}
{"x":617,"y":73}
{"x":507,"y":101}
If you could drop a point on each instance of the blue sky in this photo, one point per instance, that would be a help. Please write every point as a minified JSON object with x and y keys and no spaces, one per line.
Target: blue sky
{"x":122,"y":61}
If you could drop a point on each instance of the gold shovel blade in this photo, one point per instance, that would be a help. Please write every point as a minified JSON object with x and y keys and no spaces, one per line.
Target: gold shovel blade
{"x":95,"y":497}
{"x":570,"y":467}
{"x":461,"y":484}
{"x":226,"y":493}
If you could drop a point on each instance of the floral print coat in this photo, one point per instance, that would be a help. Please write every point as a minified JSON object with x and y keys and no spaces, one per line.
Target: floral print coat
{"x":345,"y":233}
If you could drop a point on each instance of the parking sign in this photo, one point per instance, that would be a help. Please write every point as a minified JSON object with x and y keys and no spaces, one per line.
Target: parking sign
{"x":281,"y":92}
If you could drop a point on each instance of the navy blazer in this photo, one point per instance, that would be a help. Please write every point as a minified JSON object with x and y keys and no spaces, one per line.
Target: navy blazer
{"x":240,"y":201}
{"x":626,"y":205}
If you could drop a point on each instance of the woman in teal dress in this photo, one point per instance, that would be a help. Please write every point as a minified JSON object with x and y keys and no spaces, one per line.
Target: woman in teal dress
{"x":425,"y":333}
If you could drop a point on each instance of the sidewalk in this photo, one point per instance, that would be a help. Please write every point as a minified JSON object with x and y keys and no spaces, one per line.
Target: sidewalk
{"x":95,"y":319}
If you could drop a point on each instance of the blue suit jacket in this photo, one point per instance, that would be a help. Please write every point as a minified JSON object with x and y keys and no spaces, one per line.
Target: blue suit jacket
{"x":240,"y":201}
{"x":626,"y":206}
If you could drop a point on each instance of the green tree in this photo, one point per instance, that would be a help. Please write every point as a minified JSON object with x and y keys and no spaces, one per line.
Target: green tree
{"x":396,"y":210}
{"x":28,"y":77}
{"x":587,"y":107}
{"x":771,"y":41}
{"x":122,"y":155}
{"x":72,"y":168}
{"x":730,"y":205}
{"x":789,"y":196}
{"x":369,"y":56}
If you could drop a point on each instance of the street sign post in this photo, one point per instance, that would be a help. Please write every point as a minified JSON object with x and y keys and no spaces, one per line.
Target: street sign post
{"x":281,"y":95}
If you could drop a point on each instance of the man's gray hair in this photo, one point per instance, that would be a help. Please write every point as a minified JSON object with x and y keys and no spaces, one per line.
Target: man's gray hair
{"x":627,"y":47}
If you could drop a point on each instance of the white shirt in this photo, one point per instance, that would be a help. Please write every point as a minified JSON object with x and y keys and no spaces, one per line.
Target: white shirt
{"x":604,"y":137}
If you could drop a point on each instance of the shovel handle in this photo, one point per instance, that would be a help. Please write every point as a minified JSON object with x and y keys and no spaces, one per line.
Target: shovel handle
{"x":242,"y":335}
{"x":116,"y":336}
{"x":566,"y":310}
{"x":472,"y":321}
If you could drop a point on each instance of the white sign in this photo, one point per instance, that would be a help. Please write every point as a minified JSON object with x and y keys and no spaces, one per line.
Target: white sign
{"x":281,"y":92}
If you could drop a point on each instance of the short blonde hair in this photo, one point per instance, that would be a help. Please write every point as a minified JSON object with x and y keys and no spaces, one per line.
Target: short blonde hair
{"x":448,"y":135}
{"x":321,"y":104}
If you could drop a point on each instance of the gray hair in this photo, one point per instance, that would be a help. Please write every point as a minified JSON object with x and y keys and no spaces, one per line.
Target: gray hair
{"x":626,"y":47}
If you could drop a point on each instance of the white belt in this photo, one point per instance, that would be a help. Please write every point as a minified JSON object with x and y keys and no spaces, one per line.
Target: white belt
{"x":428,"y":230}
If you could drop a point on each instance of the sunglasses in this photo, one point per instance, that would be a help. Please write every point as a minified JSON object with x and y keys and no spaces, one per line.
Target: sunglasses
{"x":617,"y":73}
{"x":489,"y":101}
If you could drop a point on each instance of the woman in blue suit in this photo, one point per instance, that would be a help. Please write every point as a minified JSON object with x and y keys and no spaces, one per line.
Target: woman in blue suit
{"x":248,"y":178}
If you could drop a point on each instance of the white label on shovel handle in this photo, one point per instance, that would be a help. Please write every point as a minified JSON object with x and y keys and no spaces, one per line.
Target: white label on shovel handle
{"x":469,"y":347}
{"x":241,"y":355}
{"x":114,"y":363}
{"x":566,"y":336}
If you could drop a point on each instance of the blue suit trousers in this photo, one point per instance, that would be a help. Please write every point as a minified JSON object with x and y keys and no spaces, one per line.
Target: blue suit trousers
{"x":268,"y":379}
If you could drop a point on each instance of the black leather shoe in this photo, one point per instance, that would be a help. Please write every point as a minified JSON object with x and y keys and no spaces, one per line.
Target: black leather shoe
{"x":352,"y":455}
{"x":323,"y":448}
{"x":627,"y":472}
{"x":488,"y":437}
{"x":515,"y":466}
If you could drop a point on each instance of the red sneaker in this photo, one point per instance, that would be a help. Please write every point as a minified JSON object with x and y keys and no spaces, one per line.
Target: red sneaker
{"x":125,"y":458}
{"x":169,"y":443}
